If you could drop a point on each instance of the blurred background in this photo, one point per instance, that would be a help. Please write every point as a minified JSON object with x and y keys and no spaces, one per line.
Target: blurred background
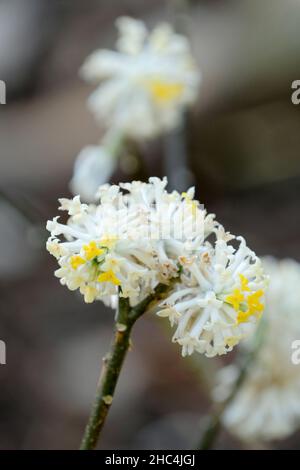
{"x":244,"y":155}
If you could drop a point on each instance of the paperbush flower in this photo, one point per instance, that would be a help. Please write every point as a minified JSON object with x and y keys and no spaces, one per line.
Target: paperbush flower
{"x":267,"y":405}
{"x":146,"y":84}
{"x":139,"y":236}
{"x":219,"y":299}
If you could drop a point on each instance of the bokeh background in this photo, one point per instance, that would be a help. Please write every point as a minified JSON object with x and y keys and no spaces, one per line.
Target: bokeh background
{"x":243,"y":146}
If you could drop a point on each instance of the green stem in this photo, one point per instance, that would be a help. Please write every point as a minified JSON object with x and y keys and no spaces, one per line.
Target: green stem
{"x":113,"y":361}
{"x":27,"y":211}
{"x":112,"y":364}
{"x":215,"y":420}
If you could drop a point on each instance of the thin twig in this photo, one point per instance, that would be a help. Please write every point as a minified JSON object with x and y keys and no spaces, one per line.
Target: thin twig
{"x":28,"y":212}
{"x":112,"y":364}
{"x":113,"y":361}
{"x":215,"y":420}
{"x":175,"y":144}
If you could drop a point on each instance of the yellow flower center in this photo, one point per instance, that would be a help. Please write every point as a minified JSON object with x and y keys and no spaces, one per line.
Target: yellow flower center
{"x":242,"y":317}
{"x":91,"y":251}
{"x":109,"y":276}
{"x":164,"y":92}
{"x":235,"y":299}
{"x":76,"y":261}
{"x":245,"y":306}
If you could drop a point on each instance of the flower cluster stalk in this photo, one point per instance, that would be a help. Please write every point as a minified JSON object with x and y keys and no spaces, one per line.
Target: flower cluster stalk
{"x":215,"y":419}
{"x":113,"y":361}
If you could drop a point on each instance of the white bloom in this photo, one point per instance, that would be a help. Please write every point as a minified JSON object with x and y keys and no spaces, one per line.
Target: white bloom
{"x":267,"y":405}
{"x":93,"y":167}
{"x":219,"y":299}
{"x":138,"y":236}
{"x":119,"y":243}
{"x":146,"y":84}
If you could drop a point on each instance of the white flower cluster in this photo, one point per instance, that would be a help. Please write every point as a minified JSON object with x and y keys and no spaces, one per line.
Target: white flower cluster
{"x":219,"y":299}
{"x":145,"y":85}
{"x":267,"y":405}
{"x":144,"y":88}
{"x":138,"y":236}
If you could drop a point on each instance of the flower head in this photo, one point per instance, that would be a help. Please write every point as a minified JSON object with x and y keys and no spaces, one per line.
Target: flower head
{"x":128,"y":242}
{"x":267,"y":406}
{"x":219,"y":299}
{"x":147,"y":83}
{"x":138,"y":236}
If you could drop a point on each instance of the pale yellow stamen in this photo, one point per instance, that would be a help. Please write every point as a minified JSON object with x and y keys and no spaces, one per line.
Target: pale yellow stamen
{"x":109,"y":276}
{"x":255,"y":307}
{"x":244,"y":283}
{"x":243,"y":317}
{"x":91,"y":251}
{"x":164,"y":92}
{"x":245,"y":305}
{"x":76,"y":261}
{"x":235,"y":299}
{"x":232,"y":341}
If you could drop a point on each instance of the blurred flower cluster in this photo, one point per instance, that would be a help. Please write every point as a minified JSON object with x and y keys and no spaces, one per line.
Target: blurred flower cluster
{"x":267,"y":404}
{"x":144,"y":88}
